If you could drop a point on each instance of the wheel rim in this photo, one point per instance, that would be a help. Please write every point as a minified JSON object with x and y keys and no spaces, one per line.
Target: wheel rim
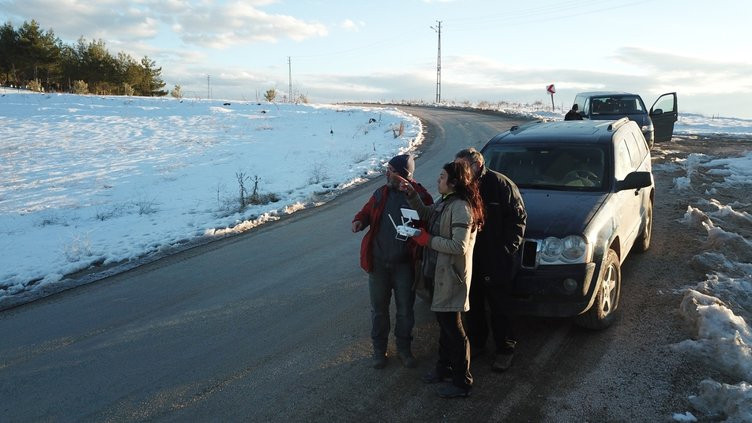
{"x":608,"y":287}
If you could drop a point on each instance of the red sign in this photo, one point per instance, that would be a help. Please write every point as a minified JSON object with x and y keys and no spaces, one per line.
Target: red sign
{"x":551,"y":89}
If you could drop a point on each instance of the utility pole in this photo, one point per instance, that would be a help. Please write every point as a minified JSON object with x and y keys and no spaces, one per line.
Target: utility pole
{"x":208,"y":87}
{"x":438,"y":64}
{"x":289,"y":79}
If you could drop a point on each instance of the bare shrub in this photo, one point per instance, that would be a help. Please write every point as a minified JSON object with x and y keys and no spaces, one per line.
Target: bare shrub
{"x":127,"y":89}
{"x":35,"y":85}
{"x":51,"y":218}
{"x":111,"y":212}
{"x":146,"y":206}
{"x":177,"y":92}
{"x":398,"y":131}
{"x":80,"y":87}
{"x":78,"y":249}
{"x":241,"y":178}
{"x":318,"y":173}
{"x":260,"y":199}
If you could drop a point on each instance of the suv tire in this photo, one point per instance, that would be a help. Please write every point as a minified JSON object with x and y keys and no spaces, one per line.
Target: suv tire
{"x":601,"y":313}
{"x":642,"y":243}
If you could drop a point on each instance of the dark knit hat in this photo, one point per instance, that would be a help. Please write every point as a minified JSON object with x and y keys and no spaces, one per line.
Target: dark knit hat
{"x":404,"y":164}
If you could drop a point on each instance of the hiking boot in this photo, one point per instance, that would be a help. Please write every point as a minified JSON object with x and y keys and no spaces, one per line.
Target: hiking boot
{"x":408,"y":360}
{"x":434,"y":377}
{"x":502,"y":362}
{"x":452,"y":391}
{"x":379,"y":360}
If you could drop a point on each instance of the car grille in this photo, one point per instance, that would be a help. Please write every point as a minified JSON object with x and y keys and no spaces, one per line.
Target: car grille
{"x":529,"y":258}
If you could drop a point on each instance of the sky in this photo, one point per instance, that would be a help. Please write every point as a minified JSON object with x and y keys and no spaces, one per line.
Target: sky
{"x":344,"y":50}
{"x":103,"y":180}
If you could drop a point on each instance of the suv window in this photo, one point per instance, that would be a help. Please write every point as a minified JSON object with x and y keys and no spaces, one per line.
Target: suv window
{"x":617,"y":105}
{"x":637,"y":149}
{"x":665,"y":104}
{"x":558,"y":167}
{"x":623,"y":160}
{"x":580,"y":101}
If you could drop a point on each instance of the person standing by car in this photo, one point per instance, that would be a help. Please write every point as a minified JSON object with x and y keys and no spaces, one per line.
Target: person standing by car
{"x":494,"y":259}
{"x":573,"y":114}
{"x":452,"y":224}
{"x":390,"y":261}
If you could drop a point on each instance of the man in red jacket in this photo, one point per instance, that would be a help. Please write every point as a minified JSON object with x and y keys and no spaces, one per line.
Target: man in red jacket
{"x":389,"y":261}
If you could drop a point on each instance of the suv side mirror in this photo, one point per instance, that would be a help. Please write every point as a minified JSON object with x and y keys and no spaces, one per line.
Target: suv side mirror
{"x":635,"y":180}
{"x":657,"y":111}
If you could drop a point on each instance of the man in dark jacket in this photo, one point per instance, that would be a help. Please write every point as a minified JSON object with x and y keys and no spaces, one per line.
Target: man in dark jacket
{"x":494,"y":263}
{"x":390,"y":261}
{"x":573,"y":114}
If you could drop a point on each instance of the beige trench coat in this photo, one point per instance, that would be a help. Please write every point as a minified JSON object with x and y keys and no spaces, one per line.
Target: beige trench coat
{"x":454,"y":244}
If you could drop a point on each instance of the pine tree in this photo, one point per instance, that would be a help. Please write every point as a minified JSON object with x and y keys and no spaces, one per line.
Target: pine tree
{"x":270,"y":94}
{"x":151,"y":84}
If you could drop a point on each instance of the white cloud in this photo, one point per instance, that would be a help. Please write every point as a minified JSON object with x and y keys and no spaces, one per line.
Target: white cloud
{"x":350,"y":25}
{"x":241,"y":23}
{"x":202,"y":22}
{"x":694,"y":75}
{"x":69,"y":19}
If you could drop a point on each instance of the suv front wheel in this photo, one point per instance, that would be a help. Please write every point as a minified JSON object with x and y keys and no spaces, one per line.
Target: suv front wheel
{"x":642,"y":243}
{"x":601,"y":313}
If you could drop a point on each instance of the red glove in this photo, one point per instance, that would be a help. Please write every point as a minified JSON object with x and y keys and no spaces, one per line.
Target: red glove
{"x":422,"y":238}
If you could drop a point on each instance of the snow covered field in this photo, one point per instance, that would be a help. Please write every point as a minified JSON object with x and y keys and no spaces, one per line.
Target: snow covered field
{"x":96,"y":180}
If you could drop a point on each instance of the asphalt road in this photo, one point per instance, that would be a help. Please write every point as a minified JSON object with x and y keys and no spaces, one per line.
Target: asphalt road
{"x":273,"y":325}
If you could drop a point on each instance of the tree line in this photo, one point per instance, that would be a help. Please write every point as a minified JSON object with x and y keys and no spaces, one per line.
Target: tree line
{"x":37,"y":59}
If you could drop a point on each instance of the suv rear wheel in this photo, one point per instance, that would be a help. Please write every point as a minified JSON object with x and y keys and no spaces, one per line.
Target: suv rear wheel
{"x":601,"y":313}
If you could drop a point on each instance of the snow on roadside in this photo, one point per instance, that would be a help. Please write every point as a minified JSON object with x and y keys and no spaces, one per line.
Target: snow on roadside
{"x":719,"y":309}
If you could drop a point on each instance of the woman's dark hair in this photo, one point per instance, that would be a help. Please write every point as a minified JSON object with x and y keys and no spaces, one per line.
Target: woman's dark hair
{"x":460,"y":175}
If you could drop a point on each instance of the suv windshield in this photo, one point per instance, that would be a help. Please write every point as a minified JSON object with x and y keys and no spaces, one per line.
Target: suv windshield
{"x":559,"y":167}
{"x":616,"y":105}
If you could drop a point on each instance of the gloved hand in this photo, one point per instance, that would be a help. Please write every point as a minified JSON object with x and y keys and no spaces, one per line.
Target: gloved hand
{"x":422,"y":238}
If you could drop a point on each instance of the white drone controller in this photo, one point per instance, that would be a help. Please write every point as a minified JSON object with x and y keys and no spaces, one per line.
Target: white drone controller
{"x":405,"y":230}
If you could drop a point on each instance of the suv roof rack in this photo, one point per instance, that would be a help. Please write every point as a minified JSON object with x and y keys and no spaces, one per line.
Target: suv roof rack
{"x":527,"y":124}
{"x":618,"y":124}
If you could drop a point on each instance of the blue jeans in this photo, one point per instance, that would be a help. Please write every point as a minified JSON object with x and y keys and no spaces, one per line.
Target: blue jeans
{"x":385,"y":278}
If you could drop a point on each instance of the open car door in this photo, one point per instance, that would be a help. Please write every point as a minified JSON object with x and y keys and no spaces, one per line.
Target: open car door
{"x":663,"y":114}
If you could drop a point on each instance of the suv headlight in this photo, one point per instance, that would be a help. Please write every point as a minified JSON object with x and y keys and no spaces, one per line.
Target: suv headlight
{"x":647,"y":128}
{"x":572,"y":249}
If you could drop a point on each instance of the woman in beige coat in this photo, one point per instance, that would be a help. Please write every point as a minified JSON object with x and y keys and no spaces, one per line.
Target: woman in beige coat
{"x":449,"y":238}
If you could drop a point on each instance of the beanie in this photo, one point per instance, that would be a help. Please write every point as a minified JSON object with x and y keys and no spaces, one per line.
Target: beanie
{"x":404,"y":164}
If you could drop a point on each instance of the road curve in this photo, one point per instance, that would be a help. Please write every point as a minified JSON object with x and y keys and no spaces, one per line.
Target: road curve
{"x":272,"y":325}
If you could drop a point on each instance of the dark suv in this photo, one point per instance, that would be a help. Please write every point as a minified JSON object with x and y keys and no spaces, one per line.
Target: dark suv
{"x":588,"y":190}
{"x":657,"y":125}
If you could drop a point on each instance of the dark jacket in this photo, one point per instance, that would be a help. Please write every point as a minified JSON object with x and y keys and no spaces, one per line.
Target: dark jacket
{"x":502,"y":233}
{"x":370,"y":215}
{"x":573,"y":115}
